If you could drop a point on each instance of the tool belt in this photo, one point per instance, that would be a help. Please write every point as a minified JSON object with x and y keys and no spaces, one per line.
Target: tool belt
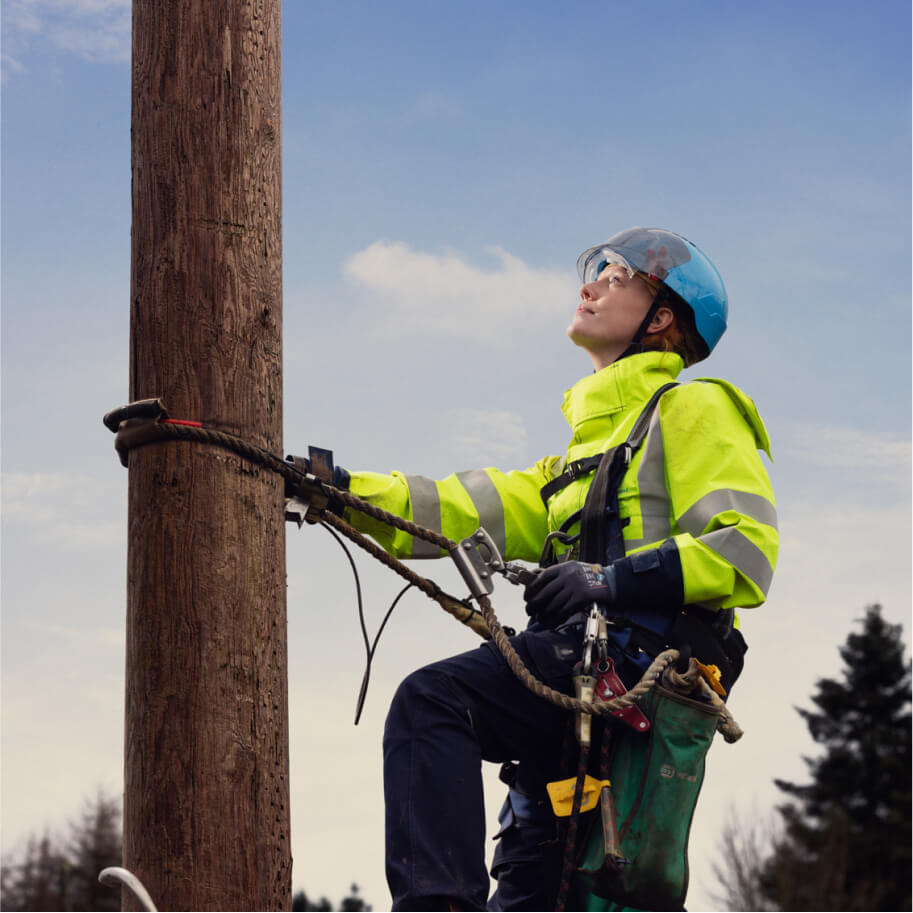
{"x":693,"y":631}
{"x":696,"y":632}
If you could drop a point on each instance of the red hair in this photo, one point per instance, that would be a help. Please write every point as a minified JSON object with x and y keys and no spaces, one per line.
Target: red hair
{"x":680,"y":335}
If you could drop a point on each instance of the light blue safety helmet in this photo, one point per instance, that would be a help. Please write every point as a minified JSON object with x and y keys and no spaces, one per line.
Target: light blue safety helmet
{"x":677,"y":263}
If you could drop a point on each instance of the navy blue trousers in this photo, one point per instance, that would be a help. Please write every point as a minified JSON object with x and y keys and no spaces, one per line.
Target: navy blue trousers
{"x":445,"y":719}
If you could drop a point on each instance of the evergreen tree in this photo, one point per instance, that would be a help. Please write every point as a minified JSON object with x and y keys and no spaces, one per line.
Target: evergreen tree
{"x":300,"y":901}
{"x":846,"y":837}
{"x":353,"y":903}
{"x":54,"y":877}
{"x":52,"y":874}
{"x":37,"y":881}
{"x":95,"y":843}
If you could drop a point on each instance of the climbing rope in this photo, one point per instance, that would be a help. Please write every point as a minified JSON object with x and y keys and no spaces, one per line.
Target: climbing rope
{"x":146,"y":422}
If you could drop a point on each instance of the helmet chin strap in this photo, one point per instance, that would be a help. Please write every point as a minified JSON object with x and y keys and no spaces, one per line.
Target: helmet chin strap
{"x":635,"y":347}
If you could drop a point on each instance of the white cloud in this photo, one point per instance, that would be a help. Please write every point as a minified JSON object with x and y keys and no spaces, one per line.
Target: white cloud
{"x":67,"y":511}
{"x":446,"y":295}
{"x":487,"y":437}
{"x":95,"y":30}
{"x":873,"y":456}
{"x":79,"y":636}
{"x":20,"y":16}
{"x":838,"y":553}
{"x":845,"y":525}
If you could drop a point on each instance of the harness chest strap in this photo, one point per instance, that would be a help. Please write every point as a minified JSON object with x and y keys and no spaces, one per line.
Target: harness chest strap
{"x":610,"y":468}
{"x":574,"y":471}
{"x":584,"y":465}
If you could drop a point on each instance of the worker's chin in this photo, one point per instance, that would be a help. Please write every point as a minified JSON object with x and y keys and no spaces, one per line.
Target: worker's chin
{"x":576,"y":336}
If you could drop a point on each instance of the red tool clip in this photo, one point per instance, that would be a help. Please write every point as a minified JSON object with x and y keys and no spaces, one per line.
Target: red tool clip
{"x":608,"y":686}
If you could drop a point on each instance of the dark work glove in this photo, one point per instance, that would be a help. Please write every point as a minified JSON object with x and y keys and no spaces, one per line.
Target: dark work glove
{"x":563,"y":589}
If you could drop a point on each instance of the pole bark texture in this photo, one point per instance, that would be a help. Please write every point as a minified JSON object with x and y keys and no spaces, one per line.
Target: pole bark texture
{"x":206,"y":805}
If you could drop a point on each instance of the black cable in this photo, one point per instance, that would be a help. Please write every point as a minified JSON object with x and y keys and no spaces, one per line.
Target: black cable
{"x":370,"y":647}
{"x":364,"y":682}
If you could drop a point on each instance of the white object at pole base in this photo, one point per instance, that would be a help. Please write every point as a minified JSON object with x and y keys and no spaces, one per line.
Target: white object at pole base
{"x":114,"y":876}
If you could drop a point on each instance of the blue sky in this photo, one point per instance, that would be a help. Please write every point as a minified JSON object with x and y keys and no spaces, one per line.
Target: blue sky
{"x":443,"y":166}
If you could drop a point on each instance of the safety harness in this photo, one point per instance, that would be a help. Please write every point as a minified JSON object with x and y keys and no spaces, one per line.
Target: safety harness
{"x":706,"y":633}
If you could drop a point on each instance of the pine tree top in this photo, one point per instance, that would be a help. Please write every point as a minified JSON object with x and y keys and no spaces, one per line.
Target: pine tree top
{"x":853,"y":819}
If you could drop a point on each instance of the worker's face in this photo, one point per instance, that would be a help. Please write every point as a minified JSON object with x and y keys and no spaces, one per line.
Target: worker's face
{"x":611,"y":309}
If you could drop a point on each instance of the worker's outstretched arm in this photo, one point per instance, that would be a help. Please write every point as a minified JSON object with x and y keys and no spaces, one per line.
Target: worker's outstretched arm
{"x":506,"y":504}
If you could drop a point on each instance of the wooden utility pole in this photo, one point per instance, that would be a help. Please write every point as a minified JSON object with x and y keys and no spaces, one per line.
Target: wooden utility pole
{"x":206,"y":806}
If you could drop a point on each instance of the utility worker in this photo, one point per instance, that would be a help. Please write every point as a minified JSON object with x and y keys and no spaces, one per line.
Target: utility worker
{"x":694,"y":537}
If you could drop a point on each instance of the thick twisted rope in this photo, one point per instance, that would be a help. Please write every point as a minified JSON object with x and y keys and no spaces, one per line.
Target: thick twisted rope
{"x":138,"y":432}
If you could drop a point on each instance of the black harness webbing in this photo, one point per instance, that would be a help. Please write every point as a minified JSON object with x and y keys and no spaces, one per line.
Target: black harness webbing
{"x":573,"y":471}
{"x":601,"y":538}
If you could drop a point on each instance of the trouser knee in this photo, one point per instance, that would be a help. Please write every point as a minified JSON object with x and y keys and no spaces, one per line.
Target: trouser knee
{"x":423,"y":697}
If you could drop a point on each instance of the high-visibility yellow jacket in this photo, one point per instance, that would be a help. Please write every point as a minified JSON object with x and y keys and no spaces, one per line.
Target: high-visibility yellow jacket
{"x":696,"y":486}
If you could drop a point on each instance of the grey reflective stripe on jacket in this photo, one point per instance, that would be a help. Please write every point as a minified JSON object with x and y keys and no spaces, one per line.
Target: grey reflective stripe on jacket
{"x":742,"y":554}
{"x":728,"y":542}
{"x":426,"y":511}
{"x":653,"y":495}
{"x":699,"y":515}
{"x":426,"y":508}
{"x":487,"y":503}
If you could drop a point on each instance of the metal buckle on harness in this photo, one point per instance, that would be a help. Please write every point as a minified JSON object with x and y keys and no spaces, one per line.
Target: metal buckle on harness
{"x":476,"y":557}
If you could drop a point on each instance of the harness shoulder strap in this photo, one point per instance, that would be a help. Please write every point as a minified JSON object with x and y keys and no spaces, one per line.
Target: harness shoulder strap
{"x":601,"y":538}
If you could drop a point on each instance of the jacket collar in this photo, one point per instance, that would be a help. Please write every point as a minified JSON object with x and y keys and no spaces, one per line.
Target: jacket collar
{"x":621,"y":386}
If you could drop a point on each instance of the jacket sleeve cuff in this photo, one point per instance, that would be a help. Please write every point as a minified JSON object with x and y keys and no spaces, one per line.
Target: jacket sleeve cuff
{"x":651,"y":579}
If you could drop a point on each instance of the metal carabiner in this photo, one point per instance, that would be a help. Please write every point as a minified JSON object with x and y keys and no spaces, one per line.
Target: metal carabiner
{"x":602,"y":639}
{"x":590,"y":634}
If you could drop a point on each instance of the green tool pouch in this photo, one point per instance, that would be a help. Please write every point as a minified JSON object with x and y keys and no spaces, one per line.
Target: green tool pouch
{"x":656,"y":780}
